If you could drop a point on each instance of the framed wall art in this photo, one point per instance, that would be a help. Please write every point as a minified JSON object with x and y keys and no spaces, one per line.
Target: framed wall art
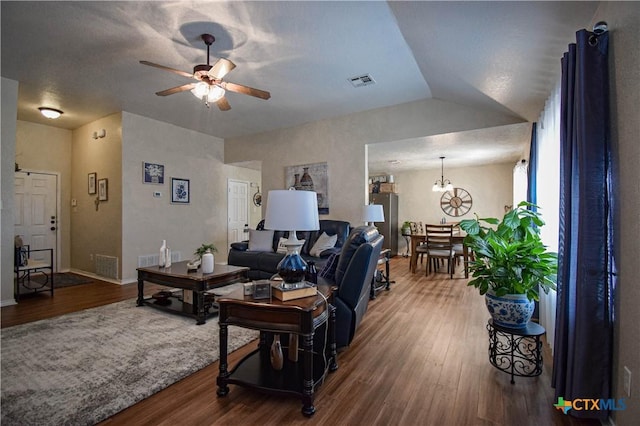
{"x":180,"y":191}
{"x":92,"y":189}
{"x":103,"y":189}
{"x":152,"y":173}
{"x":310,"y":177}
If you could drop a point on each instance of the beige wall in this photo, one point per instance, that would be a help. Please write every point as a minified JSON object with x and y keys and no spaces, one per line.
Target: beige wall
{"x":185,"y":154}
{"x":48,"y":149}
{"x":9,"y":113}
{"x":341,"y":142}
{"x":490,"y":188}
{"x":624,"y":67}
{"x":96,"y":231}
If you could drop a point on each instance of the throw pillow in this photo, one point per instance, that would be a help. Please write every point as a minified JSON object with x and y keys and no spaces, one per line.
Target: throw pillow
{"x":323,"y":243}
{"x":282,"y":248}
{"x":329,"y":270}
{"x":260,"y":240}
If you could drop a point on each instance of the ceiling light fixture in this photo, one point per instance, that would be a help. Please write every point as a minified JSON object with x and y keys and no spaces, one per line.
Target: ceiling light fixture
{"x":442,"y":185}
{"x":51,"y":113}
{"x":208,"y":92}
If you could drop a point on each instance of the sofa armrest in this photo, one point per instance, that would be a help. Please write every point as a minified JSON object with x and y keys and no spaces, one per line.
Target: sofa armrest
{"x":240,"y":245}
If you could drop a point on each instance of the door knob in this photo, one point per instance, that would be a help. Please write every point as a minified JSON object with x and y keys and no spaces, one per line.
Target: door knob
{"x":53,"y":228}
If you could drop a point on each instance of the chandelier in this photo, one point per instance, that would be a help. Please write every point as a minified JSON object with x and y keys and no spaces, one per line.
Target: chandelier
{"x":442,"y":185}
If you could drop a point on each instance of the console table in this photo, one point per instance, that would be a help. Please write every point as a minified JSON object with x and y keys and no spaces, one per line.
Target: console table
{"x":517,"y":351}
{"x":33,"y":265}
{"x":178,"y":276}
{"x":302,"y":317}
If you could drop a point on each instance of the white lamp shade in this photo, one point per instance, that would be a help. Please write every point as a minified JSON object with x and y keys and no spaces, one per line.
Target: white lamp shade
{"x":292,"y":210}
{"x":373,"y":213}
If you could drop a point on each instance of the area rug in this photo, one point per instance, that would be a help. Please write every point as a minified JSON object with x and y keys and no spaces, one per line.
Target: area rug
{"x":81,"y":368}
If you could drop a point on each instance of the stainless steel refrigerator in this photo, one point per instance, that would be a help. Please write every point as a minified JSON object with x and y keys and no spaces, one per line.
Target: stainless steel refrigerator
{"x":388,"y":228}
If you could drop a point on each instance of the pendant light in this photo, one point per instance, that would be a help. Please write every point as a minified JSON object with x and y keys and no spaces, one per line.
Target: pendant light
{"x":442,"y":185}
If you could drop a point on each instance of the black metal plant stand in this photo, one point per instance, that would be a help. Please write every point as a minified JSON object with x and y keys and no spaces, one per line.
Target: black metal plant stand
{"x":517,"y":351}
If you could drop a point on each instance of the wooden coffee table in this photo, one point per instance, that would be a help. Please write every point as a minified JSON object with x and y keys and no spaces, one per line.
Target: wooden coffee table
{"x":178,"y":276}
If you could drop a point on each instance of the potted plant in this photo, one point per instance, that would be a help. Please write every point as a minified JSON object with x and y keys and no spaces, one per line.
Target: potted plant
{"x":406,"y":227}
{"x":203,"y":249}
{"x":510,"y":263}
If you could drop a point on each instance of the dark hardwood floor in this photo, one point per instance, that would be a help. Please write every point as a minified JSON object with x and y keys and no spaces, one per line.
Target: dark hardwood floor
{"x":418,"y":358}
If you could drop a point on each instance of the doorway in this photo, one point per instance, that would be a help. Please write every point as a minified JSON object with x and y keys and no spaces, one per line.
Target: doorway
{"x":238,"y":210}
{"x":36,"y":212}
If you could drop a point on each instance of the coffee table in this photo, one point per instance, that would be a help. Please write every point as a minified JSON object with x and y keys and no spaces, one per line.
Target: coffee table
{"x":178,"y":276}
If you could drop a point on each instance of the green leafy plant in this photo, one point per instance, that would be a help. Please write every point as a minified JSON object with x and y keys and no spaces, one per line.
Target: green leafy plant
{"x":203,"y":249}
{"x":510,"y":257}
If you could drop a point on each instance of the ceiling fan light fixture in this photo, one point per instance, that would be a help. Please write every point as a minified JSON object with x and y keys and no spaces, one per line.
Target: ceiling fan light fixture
{"x":51,"y":113}
{"x":215,"y":93}
{"x":201,"y":90}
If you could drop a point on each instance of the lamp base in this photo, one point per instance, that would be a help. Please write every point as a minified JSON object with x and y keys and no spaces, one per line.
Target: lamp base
{"x":292,"y":268}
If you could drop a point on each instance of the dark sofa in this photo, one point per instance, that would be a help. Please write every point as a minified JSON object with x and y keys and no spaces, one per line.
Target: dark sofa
{"x":263,"y":264}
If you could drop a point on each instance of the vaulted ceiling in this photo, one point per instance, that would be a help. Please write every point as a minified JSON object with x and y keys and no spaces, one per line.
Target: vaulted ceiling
{"x":83,"y":58}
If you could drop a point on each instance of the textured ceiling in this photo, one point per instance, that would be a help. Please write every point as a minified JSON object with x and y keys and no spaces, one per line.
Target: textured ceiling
{"x":83,"y":58}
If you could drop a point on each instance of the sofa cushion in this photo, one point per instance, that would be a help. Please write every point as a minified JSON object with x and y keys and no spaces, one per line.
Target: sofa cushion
{"x":324,"y":242}
{"x":260,"y":240}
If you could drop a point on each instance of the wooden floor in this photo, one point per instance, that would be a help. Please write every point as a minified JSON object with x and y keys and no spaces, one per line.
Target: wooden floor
{"x":418,"y":358}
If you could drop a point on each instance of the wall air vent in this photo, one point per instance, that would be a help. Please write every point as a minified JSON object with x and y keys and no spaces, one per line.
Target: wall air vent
{"x":362,"y":80}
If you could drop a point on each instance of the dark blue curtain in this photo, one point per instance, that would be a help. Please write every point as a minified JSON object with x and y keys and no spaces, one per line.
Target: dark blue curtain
{"x":582,"y":361}
{"x":533,"y":167}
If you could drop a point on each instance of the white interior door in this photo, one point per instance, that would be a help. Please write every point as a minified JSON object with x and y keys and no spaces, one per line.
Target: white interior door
{"x":238,"y":210}
{"x":35,"y":214}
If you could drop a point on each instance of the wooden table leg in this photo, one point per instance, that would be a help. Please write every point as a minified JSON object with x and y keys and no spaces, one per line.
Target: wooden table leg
{"x":308,"y":408}
{"x":333,"y":363}
{"x":140,"y":301}
{"x":200,"y":305}
{"x":223,"y":388}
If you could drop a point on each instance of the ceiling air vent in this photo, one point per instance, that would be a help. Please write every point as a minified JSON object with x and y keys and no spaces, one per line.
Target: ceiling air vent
{"x":362,"y":80}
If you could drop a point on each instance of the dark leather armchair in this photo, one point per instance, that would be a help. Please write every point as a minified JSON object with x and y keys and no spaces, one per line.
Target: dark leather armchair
{"x":354,"y":272}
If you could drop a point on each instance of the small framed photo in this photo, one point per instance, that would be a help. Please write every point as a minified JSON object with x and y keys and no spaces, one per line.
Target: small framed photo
{"x":180,"y":191}
{"x":103,"y":189}
{"x":92,"y":183}
{"x":152,"y":173}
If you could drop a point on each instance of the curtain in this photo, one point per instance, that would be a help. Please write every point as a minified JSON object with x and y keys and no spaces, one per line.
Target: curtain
{"x":586,"y":271}
{"x":533,"y":167}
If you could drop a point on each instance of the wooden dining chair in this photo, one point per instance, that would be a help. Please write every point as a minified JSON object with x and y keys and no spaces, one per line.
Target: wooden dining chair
{"x":438,"y":246}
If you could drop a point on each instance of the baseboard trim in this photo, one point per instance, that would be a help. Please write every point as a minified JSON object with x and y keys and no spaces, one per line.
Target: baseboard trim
{"x":95,"y":276}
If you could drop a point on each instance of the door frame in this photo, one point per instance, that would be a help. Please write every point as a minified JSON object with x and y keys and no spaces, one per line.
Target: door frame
{"x":229,"y":180}
{"x":58,"y":248}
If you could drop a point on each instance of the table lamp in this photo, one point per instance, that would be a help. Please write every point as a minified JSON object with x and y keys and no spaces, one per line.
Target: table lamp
{"x":372,"y":213}
{"x":296,"y":211}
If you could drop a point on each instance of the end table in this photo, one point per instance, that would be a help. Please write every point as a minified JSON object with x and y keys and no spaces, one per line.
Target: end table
{"x":517,"y":351}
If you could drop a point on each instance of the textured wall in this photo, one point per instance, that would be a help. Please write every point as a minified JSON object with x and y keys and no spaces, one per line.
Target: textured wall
{"x":96,"y":231}
{"x":341,"y":142}
{"x":624,"y":66}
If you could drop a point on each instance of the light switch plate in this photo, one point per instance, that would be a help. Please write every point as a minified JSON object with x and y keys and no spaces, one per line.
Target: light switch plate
{"x":157,"y":194}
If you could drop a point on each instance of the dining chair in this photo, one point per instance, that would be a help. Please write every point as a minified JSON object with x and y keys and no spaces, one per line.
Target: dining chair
{"x":438,"y":246}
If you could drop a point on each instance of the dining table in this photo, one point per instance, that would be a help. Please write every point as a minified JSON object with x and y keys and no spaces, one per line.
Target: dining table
{"x":457,"y":238}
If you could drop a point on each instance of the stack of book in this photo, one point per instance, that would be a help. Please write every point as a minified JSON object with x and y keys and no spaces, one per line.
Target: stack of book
{"x":298,"y":292}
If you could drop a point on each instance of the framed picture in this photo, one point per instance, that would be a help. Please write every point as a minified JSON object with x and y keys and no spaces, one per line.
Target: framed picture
{"x":152,"y":173}
{"x":180,"y":191}
{"x":92,"y":183}
{"x":310,"y":177}
{"x":103,"y":189}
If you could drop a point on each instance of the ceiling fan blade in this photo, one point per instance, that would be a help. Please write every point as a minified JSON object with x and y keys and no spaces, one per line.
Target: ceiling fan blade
{"x":178,"y":89}
{"x":162,"y":67}
{"x":223,"y":104}
{"x":245,"y":90}
{"x":221,"y":68}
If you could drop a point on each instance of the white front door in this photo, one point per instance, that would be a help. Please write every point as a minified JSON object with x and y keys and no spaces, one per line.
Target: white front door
{"x":35,"y":212}
{"x":238,"y":210}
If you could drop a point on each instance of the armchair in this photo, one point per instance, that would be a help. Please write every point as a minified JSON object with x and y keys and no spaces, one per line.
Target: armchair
{"x":354,"y":273}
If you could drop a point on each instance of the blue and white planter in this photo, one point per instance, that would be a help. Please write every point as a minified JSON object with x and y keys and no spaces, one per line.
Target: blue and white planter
{"x":510,"y":310}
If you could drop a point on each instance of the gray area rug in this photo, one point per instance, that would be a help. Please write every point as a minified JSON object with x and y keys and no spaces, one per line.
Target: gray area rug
{"x":81,"y":368}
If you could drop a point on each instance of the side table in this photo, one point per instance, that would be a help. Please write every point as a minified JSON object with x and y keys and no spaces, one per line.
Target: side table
{"x":385,"y":282}
{"x":517,"y":351}
{"x":299,"y":316}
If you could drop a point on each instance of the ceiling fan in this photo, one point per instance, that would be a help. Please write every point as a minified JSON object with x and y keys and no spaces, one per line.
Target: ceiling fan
{"x":211,"y":87}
